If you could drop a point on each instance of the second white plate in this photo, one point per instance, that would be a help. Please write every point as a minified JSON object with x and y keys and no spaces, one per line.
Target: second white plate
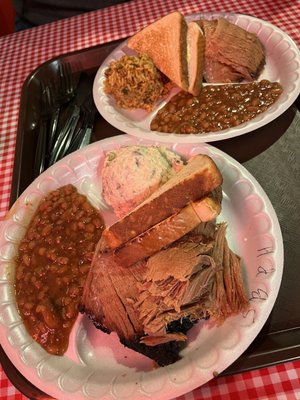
{"x":282,"y":65}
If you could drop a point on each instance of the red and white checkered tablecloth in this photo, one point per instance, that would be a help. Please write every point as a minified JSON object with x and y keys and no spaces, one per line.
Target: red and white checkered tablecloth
{"x":22,"y":52}
{"x":279,"y":382}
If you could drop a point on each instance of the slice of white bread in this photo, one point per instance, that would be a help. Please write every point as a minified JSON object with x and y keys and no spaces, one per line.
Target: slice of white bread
{"x":195,"y":51}
{"x":167,"y":231}
{"x":196,"y":179}
{"x":165,"y":42}
{"x":176,"y":48}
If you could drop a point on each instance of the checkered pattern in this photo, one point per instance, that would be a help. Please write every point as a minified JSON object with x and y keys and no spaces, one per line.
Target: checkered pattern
{"x":7,"y":390}
{"x":22,"y":52}
{"x":279,"y":382}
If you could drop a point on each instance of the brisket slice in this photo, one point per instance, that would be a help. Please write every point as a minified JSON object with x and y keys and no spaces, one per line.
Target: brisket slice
{"x":228,"y":295}
{"x":176,"y":285}
{"x":109,"y":296}
{"x":231,"y":53}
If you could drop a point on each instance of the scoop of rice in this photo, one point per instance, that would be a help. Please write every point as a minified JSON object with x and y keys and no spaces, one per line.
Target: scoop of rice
{"x":132,"y":173}
{"x":134,"y":82}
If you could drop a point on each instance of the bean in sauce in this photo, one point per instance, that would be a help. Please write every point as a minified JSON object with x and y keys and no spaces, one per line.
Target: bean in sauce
{"x":53,"y":261}
{"x":217,"y":107}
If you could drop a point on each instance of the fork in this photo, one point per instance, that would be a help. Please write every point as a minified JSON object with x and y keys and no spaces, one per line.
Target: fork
{"x":67,"y":85}
{"x":60,"y":93}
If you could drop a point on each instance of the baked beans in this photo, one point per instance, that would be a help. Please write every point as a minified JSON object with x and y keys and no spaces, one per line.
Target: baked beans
{"x":52,"y":264}
{"x":217,"y":107}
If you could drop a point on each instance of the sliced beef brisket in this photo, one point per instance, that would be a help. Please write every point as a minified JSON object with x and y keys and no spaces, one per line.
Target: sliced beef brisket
{"x":176,"y":284}
{"x":108,"y":299}
{"x":109,"y":294}
{"x":152,"y":304}
{"x":231,"y":53}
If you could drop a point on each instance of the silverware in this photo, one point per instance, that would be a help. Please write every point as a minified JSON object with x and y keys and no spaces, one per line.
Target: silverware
{"x":73,"y":120}
{"x":54,"y":94}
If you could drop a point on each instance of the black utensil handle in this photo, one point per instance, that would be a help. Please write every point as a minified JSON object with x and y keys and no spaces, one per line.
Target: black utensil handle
{"x":71,"y":120}
{"x":53,"y":128}
{"x":64,"y":147}
{"x":40,"y":154}
{"x":86,"y":138}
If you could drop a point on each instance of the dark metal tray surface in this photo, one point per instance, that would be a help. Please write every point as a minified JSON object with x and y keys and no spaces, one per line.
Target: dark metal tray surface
{"x":279,"y":340}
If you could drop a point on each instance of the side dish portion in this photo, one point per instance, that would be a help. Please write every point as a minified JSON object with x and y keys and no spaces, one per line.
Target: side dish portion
{"x":53,"y":262}
{"x":135,"y":82}
{"x":217,"y":107}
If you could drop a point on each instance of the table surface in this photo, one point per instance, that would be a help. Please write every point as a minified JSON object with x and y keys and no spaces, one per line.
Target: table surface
{"x":22,"y":52}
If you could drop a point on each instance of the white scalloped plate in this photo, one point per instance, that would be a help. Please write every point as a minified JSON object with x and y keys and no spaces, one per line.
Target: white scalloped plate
{"x":282,"y":65}
{"x":96,"y":365}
